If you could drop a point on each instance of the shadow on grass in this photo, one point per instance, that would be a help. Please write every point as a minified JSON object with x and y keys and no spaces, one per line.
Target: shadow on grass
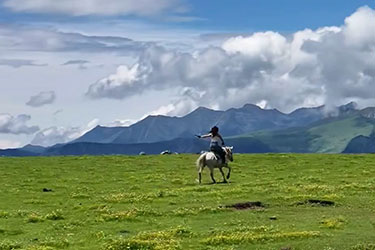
{"x":217,"y":183}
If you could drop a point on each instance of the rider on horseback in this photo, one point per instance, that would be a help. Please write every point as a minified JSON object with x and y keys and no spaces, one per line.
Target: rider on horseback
{"x":216,"y":142}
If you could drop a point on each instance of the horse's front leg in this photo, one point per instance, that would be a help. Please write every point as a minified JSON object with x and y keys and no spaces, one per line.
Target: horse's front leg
{"x":229,"y":170}
{"x":212,"y":175}
{"x":222,"y":173}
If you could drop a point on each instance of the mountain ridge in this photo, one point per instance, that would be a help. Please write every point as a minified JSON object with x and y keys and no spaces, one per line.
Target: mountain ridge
{"x":232,"y":121}
{"x":250,"y":128}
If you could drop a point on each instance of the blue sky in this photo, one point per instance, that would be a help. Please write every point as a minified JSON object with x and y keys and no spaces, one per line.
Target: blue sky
{"x":67,"y":66}
{"x":287,"y":15}
{"x":227,"y":15}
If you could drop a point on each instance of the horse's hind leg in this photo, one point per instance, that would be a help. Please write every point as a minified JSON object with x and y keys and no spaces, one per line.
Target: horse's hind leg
{"x":212,"y":175}
{"x":222,"y":173}
{"x":200,"y":176}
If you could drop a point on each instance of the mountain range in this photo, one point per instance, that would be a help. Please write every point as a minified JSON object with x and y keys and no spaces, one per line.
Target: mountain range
{"x":249,"y":129}
{"x":232,"y":122}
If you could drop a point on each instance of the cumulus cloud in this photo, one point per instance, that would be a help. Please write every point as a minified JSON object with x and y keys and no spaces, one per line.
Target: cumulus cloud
{"x":16,"y":124}
{"x":43,"y":98}
{"x":54,"y":135}
{"x":22,"y":38}
{"x":330,"y":65}
{"x":94,"y":7}
{"x":188,"y":100}
{"x":17,"y":63}
{"x":359,"y":29}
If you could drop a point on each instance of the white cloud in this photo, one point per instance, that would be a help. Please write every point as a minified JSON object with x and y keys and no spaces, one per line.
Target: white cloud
{"x":74,"y":62}
{"x":82,"y":64}
{"x":124,"y":78}
{"x":187,"y":101}
{"x":6,"y":144}
{"x":94,"y":7}
{"x":360,"y":29}
{"x":330,"y":65}
{"x":267,"y":45}
{"x":27,"y":38}
{"x":16,"y":125}
{"x":53,"y":135}
{"x":43,"y":98}
{"x":17,"y":63}
{"x":121,"y":123}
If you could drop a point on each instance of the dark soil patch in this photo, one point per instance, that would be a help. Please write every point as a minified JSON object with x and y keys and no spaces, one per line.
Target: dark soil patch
{"x":247,"y":205}
{"x":124,"y":232}
{"x":273,"y":218}
{"x":323,"y":203}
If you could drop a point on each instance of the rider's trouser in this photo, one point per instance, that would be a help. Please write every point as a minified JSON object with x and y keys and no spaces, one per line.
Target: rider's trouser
{"x":219,"y":150}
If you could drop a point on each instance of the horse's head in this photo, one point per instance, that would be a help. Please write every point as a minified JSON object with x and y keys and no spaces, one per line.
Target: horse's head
{"x":229,"y":153}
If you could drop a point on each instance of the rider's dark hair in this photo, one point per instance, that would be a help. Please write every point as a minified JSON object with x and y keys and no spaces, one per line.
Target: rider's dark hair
{"x":214,"y":130}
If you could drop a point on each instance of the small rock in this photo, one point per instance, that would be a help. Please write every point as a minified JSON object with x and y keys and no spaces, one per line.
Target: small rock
{"x":286,"y":248}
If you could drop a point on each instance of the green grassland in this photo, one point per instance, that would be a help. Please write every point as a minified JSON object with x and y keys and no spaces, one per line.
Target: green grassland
{"x":154,"y":202}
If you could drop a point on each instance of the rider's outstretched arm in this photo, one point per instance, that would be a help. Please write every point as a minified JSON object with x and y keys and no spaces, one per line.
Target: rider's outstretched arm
{"x":206,"y":136}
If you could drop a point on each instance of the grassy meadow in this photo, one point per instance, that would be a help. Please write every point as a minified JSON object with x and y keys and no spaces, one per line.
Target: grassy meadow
{"x":154,"y":202}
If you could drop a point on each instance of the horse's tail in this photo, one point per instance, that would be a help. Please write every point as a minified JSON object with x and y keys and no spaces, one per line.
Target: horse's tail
{"x":201,"y":162}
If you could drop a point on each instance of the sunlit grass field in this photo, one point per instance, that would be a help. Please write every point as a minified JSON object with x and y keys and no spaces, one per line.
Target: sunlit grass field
{"x":154,"y":202}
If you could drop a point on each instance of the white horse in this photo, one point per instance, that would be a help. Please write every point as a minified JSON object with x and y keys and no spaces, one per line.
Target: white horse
{"x":210,"y":160}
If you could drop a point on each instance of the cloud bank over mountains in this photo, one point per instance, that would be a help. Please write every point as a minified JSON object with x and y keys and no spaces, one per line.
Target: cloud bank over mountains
{"x":330,"y":65}
{"x":53,"y":135}
{"x":16,"y":125}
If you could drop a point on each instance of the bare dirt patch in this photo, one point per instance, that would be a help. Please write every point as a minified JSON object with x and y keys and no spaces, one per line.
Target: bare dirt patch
{"x":323,"y":203}
{"x":247,"y":205}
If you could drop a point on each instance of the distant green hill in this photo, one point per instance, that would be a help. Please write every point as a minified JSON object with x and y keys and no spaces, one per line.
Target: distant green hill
{"x":334,"y":136}
{"x":330,"y":135}
{"x":361,"y":145}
